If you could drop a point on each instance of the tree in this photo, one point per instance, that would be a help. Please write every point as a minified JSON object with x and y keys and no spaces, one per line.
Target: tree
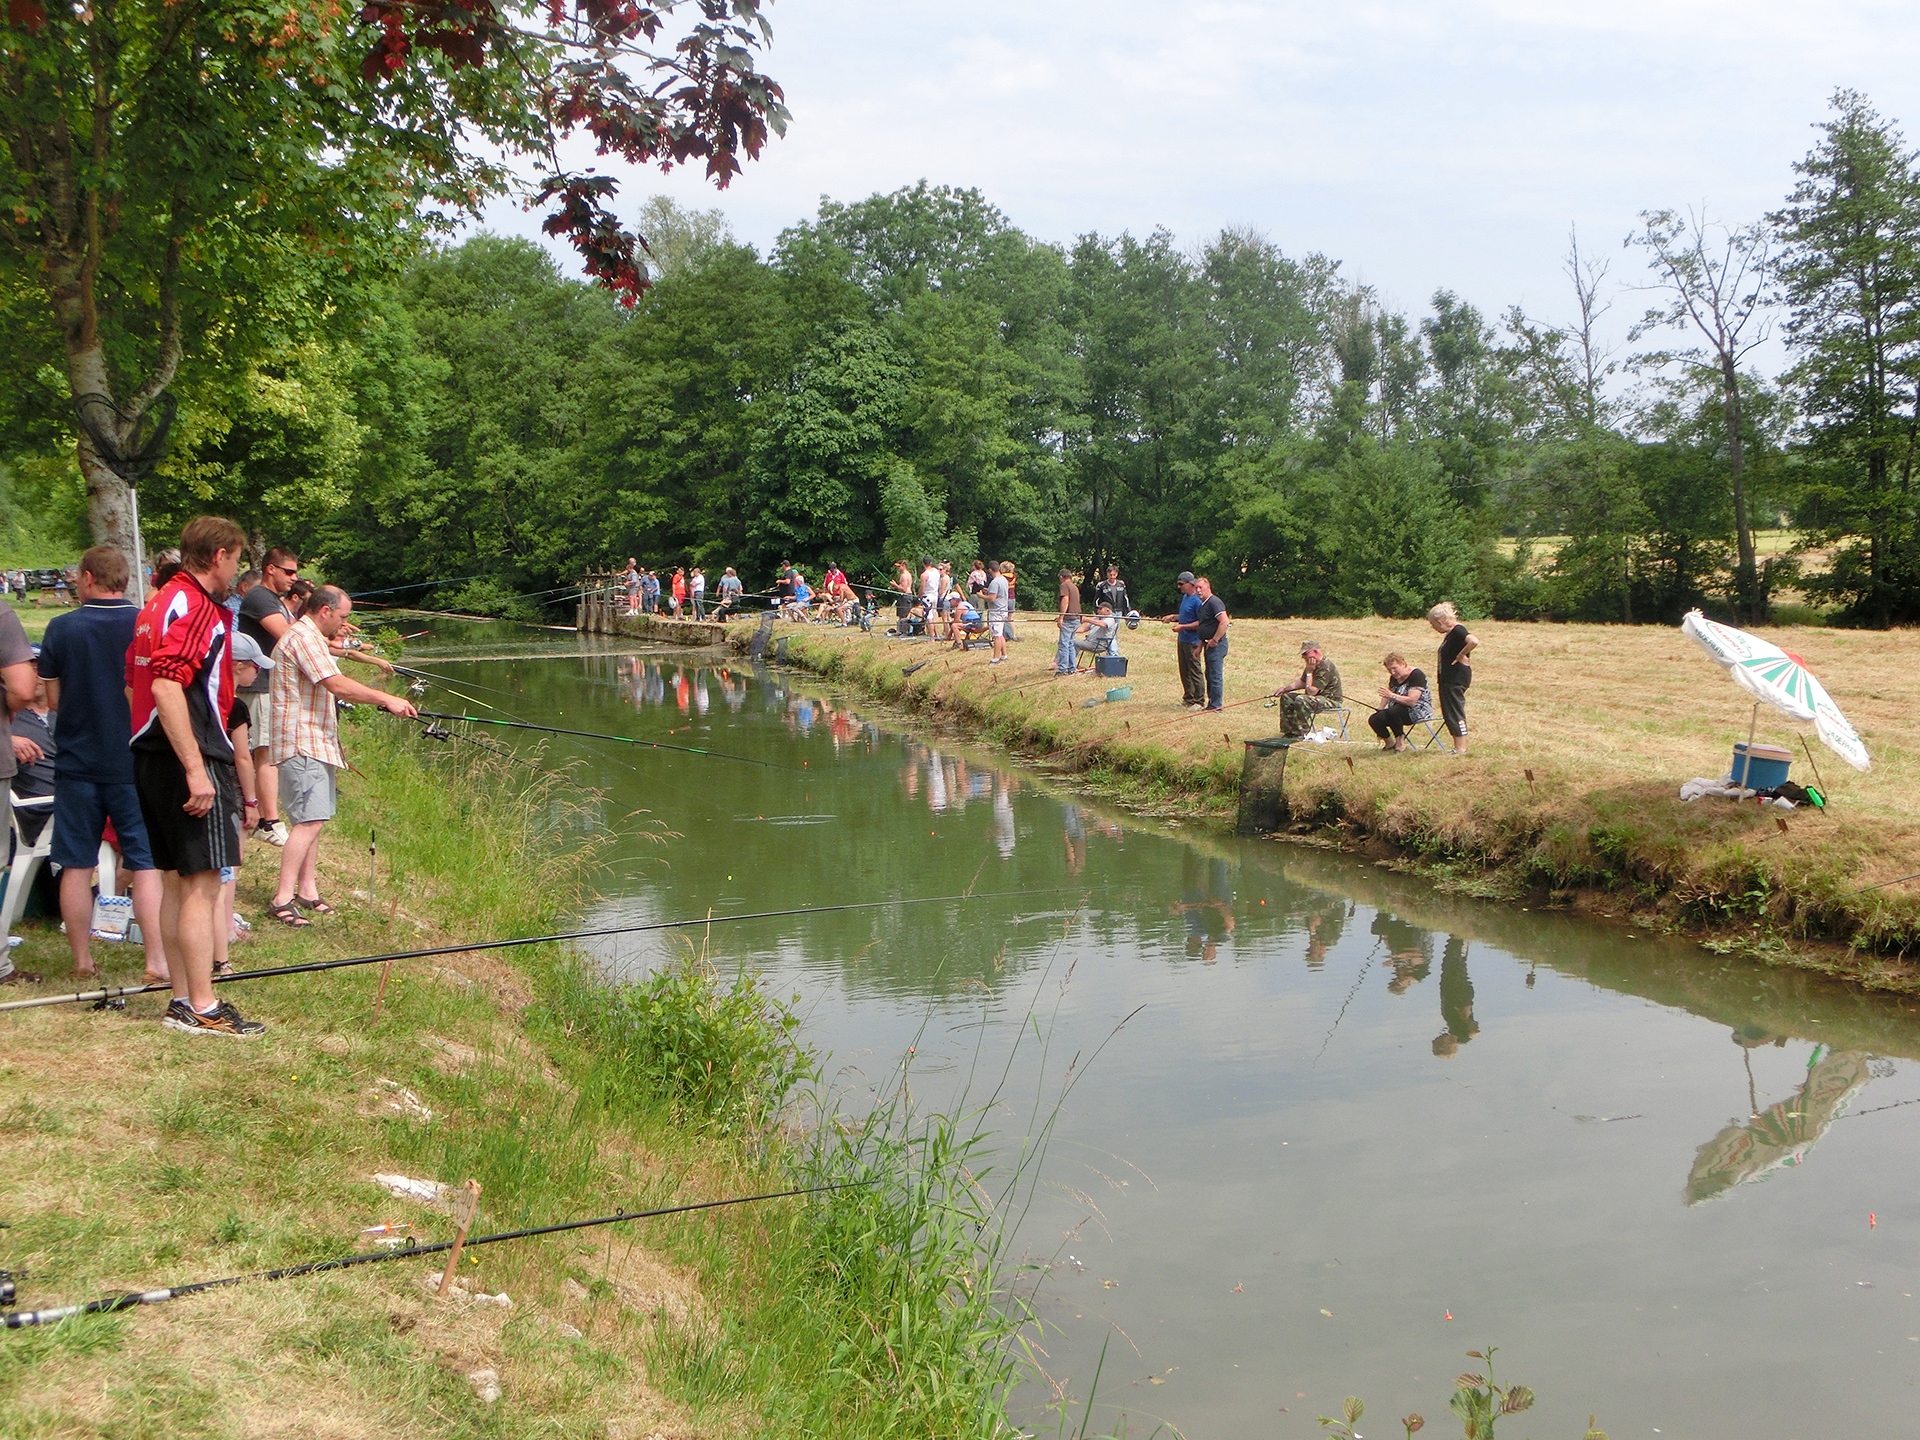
{"x":1851,"y":275}
{"x":1716,"y":279}
{"x":680,"y":240}
{"x":181,"y":179}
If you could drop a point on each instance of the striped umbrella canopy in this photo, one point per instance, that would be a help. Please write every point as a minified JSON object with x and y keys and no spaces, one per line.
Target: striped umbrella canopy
{"x":1780,"y":679}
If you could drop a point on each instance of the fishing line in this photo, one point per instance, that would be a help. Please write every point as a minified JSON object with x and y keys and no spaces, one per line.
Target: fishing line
{"x":114,"y":992}
{"x":110,"y":1303}
{"x":1147,"y":729}
{"x":1358,"y":980}
{"x":595,"y":735}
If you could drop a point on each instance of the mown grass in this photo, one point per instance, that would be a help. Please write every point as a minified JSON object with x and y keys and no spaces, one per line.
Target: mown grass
{"x":132,"y":1157}
{"x":1582,"y":735}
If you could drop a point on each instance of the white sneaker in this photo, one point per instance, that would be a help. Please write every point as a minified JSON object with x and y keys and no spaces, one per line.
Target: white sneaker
{"x":274,"y":833}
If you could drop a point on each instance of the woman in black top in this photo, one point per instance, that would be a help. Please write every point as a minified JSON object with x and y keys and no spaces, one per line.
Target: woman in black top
{"x":1404,"y":700}
{"x":1456,"y":670}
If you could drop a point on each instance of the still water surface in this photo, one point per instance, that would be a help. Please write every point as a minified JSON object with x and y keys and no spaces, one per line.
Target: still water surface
{"x":1345,"y":1108}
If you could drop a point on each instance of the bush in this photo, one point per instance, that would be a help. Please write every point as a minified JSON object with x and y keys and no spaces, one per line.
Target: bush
{"x":721,"y":1057}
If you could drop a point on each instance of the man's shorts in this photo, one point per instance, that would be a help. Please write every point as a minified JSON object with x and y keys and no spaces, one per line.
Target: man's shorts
{"x":307,"y":792}
{"x":259,"y":720}
{"x":81,"y":810}
{"x":187,"y":844}
{"x":999,"y":627}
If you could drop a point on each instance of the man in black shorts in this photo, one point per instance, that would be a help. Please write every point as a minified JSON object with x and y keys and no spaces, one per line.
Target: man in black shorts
{"x":180,"y":670}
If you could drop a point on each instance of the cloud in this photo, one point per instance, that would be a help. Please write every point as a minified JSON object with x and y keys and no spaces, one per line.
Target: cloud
{"x":1425,"y":144}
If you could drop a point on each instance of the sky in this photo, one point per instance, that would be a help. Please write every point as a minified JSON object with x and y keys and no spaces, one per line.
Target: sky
{"x":1423,"y":145}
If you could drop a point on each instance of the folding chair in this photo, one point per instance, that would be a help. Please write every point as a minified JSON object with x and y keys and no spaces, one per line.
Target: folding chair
{"x":1339,"y":724}
{"x":1434,"y":731}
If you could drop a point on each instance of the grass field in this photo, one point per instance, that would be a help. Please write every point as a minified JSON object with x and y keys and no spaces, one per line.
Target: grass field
{"x":133,"y":1157}
{"x":1610,"y":720}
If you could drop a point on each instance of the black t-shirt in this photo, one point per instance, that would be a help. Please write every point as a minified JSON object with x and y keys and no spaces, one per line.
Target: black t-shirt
{"x":1451,"y":671}
{"x":1211,"y":609}
{"x":782,"y":590}
{"x":255,"y":606}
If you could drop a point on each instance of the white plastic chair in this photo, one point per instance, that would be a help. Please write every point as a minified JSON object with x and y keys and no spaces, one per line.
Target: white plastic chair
{"x":28,"y":858}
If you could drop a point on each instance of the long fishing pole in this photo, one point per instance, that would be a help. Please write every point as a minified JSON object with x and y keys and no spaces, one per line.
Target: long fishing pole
{"x":115,"y":992}
{"x":596,"y":735}
{"x":1145,"y":729}
{"x":109,"y":1303}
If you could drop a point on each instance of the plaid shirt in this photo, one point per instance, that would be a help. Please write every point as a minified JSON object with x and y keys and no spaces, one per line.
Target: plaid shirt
{"x":304,"y":719}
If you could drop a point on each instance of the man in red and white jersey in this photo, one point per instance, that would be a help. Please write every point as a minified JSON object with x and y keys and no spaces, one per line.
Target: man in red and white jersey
{"x":180,"y":674}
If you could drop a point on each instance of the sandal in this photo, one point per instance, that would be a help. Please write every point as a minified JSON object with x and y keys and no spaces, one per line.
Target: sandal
{"x":315,"y":906}
{"x":289,"y":915}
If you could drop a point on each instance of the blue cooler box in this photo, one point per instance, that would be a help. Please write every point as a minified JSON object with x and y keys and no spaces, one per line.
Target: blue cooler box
{"x":1110,"y":665}
{"x":1760,"y":767}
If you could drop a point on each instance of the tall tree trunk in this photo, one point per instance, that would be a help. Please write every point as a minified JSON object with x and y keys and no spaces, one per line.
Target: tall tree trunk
{"x":1745,"y":585}
{"x":109,"y":502}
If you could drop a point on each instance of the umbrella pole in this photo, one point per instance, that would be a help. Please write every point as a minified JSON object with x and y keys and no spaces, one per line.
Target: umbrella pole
{"x":1746,"y":756}
{"x":1816,"y":769}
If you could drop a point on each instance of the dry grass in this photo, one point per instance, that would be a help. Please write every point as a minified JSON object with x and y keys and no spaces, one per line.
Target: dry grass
{"x":1610,"y":720}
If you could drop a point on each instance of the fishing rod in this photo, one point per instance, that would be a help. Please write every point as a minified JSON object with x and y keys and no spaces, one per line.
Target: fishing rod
{"x":114,"y":992}
{"x":1157,"y":725}
{"x":108,"y":1304}
{"x":596,"y":735}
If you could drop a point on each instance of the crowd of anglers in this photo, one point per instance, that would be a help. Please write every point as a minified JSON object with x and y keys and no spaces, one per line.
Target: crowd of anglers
{"x":976,"y":610}
{"x":173,"y":732}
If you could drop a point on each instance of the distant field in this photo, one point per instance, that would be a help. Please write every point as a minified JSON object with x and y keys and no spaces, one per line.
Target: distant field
{"x":33,"y":617}
{"x":1546,"y":547}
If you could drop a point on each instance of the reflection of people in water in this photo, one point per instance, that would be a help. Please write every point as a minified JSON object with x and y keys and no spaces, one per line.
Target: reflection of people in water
{"x":1003,"y":838}
{"x":1456,"y":1001}
{"x":1076,"y":839}
{"x":1206,"y":902}
{"x":1409,"y":951}
{"x":1326,"y":923}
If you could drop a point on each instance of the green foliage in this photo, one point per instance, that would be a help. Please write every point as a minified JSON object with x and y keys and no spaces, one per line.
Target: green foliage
{"x":1851,"y":272}
{"x":721,"y":1056}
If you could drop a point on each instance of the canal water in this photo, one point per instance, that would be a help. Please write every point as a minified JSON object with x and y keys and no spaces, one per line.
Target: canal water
{"x":1329,"y":1129}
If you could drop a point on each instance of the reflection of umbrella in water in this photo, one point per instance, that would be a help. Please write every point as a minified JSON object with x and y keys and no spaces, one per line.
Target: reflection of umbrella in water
{"x":1781,"y":1135}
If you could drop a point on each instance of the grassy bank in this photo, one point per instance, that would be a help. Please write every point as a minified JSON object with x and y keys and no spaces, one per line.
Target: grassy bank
{"x":1609,"y":720}
{"x":132,"y":1157}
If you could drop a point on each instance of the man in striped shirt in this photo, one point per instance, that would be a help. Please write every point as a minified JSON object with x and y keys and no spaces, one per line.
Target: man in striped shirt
{"x":180,"y":676}
{"x":306,"y":745}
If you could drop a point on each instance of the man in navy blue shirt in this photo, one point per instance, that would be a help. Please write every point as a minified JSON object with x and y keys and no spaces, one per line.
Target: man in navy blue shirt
{"x":1193,"y":670}
{"x":83,"y":659}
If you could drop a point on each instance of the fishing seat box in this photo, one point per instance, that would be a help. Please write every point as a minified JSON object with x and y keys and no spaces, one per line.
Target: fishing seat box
{"x":1110,"y":665}
{"x":1765,"y":766}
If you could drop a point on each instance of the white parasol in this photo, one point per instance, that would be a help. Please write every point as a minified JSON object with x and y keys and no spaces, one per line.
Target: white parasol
{"x":1782,"y":680}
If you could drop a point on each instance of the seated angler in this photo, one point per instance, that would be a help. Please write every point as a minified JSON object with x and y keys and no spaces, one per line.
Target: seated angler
{"x":1317,"y":690}
{"x":1100,"y":635}
{"x":1405,"y":700}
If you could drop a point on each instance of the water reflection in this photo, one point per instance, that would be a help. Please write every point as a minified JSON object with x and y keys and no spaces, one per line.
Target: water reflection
{"x":1779,"y":1137}
{"x":1392,"y":1155}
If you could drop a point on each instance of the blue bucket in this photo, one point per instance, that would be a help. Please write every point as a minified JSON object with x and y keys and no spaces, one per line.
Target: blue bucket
{"x":1760,"y":767}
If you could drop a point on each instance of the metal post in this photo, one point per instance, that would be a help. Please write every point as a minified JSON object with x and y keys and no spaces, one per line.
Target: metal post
{"x":1746,"y":756}
{"x":139,"y":563}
